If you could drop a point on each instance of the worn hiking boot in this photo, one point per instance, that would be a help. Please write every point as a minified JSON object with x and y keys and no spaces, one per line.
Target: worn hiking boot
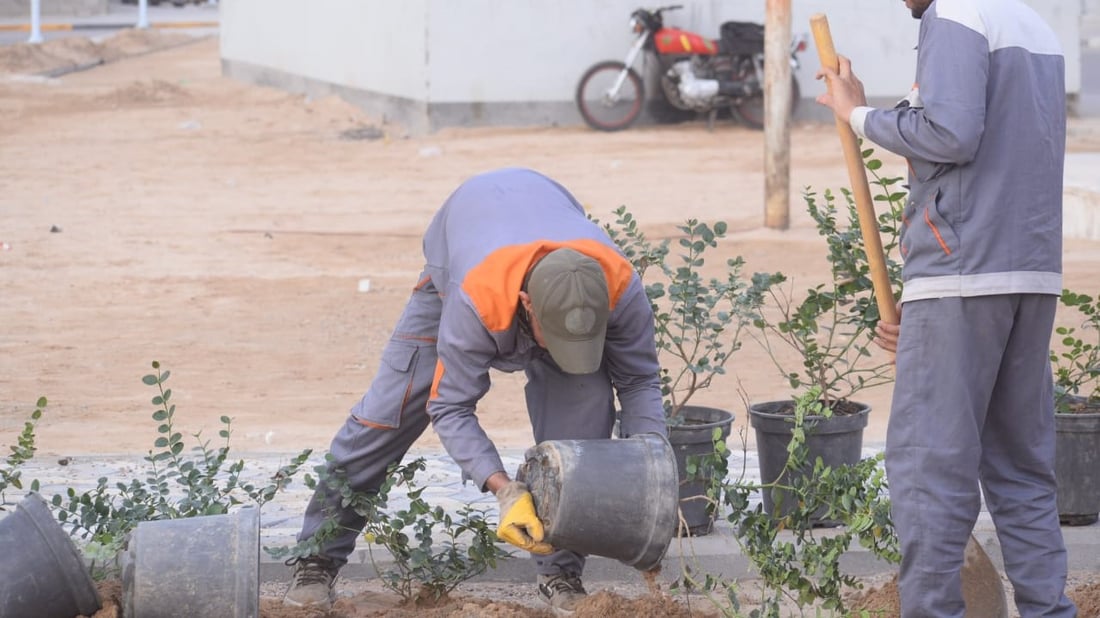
{"x":562,"y":591}
{"x":311,"y":583}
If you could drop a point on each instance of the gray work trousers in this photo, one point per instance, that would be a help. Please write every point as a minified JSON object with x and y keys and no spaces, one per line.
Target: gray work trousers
{"x":392,"y":415}
{"x":973,"y":407}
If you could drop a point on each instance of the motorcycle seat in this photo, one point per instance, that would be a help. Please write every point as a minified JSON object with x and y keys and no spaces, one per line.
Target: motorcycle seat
{"x":740,"y":38}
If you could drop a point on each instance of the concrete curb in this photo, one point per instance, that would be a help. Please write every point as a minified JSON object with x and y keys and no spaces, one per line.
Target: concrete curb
{"x":62,"y":71}
{"x":717,"y":553}
{"x":106,"y":26}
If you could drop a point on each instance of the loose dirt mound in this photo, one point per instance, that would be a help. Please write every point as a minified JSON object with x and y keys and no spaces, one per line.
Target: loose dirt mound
{"x":49,"y":57}
{"x":1087,"y":599}
{"x":602,"y":604}
{"x":605,"y":603}
{"x":878,"y":601}
{"x":134,"y":41}
{"x":60,"y":55}
{"x":883,"y":600}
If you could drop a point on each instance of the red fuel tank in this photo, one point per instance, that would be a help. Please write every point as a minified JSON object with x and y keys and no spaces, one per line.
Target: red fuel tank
{"x":676,"y":41}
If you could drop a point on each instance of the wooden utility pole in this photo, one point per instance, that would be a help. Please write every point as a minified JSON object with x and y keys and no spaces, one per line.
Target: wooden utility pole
{"x":777,"y":114}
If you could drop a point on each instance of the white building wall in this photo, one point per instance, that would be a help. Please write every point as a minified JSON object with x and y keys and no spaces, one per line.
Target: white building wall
{"x":434,"y":63}
{"x":377,"y":46}
{"x":495,"y":50}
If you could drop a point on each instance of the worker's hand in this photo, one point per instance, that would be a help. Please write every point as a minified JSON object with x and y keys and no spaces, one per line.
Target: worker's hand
{"x":886,"y":334}
{"x":519,"y":524}
{"x":844,"y":91}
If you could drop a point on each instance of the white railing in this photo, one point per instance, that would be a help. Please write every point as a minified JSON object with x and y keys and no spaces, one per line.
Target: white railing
{"x":143,"y":14}
{"x":36,"y":22}
{"x":36,"y":19}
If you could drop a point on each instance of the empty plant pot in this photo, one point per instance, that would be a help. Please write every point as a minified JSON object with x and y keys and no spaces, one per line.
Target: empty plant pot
{"x":612,"y":498}
{"x":41,"y":573}
{"x":200,"y":567}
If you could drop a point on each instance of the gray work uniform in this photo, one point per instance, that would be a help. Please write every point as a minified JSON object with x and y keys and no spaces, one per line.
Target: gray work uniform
{"x":462,"y":320}
{"x":984,"y":134}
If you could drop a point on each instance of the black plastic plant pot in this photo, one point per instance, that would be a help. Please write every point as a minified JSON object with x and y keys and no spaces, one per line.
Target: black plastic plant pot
{"x":611,"y":498}
{"x":41,"y":572}
{"x":200,"y":567}
{"x":1077,"y":467}
{"x":692,"y":436}
{"x":837,"y":440}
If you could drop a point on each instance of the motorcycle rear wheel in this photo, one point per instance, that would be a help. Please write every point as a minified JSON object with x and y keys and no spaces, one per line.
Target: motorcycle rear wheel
{"x":599,"y":110}
{"x":750,"y":111}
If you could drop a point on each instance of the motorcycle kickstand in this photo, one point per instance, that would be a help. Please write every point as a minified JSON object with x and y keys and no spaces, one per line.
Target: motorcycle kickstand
{"x":712,"y":115}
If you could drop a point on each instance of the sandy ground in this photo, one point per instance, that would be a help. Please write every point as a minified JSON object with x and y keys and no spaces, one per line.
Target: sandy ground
{"x":151,"y":209}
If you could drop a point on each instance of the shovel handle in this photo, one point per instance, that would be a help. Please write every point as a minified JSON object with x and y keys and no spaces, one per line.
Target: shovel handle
{"x":857,"y":176}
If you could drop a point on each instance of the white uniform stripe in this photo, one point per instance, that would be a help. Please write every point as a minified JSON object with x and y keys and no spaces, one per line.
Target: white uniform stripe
{"x":1003,"y":24}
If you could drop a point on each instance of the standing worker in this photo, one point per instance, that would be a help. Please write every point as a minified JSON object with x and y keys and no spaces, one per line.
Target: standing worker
{"x":516,"y":278}
{"x":984,"y":132}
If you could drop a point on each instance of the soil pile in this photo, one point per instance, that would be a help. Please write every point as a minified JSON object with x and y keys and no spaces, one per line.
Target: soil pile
{"x":58,"y":56}
{"x":883,"y":600}
{"x":878,"y":601}
{"x":603,"y":604}
{"x":1087,"y":598}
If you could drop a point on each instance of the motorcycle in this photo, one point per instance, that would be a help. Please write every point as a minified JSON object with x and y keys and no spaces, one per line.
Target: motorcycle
{"x":697,"y":75}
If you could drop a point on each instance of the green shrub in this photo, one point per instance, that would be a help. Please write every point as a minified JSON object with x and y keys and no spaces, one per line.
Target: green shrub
{"x":423,"y":568}
{"x":175,"y":485}
{"x":1077,"y":361}
{"x":21,"y":453}
{"x":697,"y":321}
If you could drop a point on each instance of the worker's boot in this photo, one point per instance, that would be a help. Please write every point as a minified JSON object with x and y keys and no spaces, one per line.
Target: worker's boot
{"x":562,"y":591}
{"x":311,"y":583}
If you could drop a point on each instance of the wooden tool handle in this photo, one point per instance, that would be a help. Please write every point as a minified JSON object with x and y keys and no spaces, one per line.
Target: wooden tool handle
{"x":857,"y":175}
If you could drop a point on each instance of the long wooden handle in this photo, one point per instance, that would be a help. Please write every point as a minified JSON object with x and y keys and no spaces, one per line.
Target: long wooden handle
{"x":857,"y":175}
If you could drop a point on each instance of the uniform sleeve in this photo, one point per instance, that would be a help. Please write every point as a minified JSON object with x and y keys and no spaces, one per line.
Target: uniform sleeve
{"x":461,"y":380}
{"x":631,"y":356}
{"x":952,"y":70}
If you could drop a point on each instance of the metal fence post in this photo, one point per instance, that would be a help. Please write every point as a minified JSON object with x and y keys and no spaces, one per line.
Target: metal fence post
{"x":36,"y":22}
{"x":143,"y":14}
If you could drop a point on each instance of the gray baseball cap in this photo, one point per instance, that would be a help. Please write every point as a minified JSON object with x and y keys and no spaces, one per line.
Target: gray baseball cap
{"x":570,"y":301}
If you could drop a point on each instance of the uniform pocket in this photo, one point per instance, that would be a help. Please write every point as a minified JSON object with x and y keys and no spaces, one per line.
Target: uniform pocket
{"x":937,"y":223}
{"x":927,"y":237}
{"x":392,"y":387}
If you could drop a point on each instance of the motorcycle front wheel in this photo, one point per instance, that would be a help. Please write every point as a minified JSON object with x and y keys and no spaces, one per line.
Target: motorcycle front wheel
{"x":604,"y":107}
{"x":751,"y":110}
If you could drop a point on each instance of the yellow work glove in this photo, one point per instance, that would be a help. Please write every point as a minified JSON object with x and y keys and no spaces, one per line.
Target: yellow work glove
{"x":519,"y":524}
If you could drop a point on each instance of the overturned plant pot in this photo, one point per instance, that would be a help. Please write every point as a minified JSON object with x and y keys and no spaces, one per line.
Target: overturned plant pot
{"x":41,"y":572}
{"x":612,"y":498}
{"x":201,"y":567}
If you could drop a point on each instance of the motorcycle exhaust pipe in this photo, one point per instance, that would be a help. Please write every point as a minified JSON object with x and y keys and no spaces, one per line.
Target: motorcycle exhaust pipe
{"x":734,"y":88}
